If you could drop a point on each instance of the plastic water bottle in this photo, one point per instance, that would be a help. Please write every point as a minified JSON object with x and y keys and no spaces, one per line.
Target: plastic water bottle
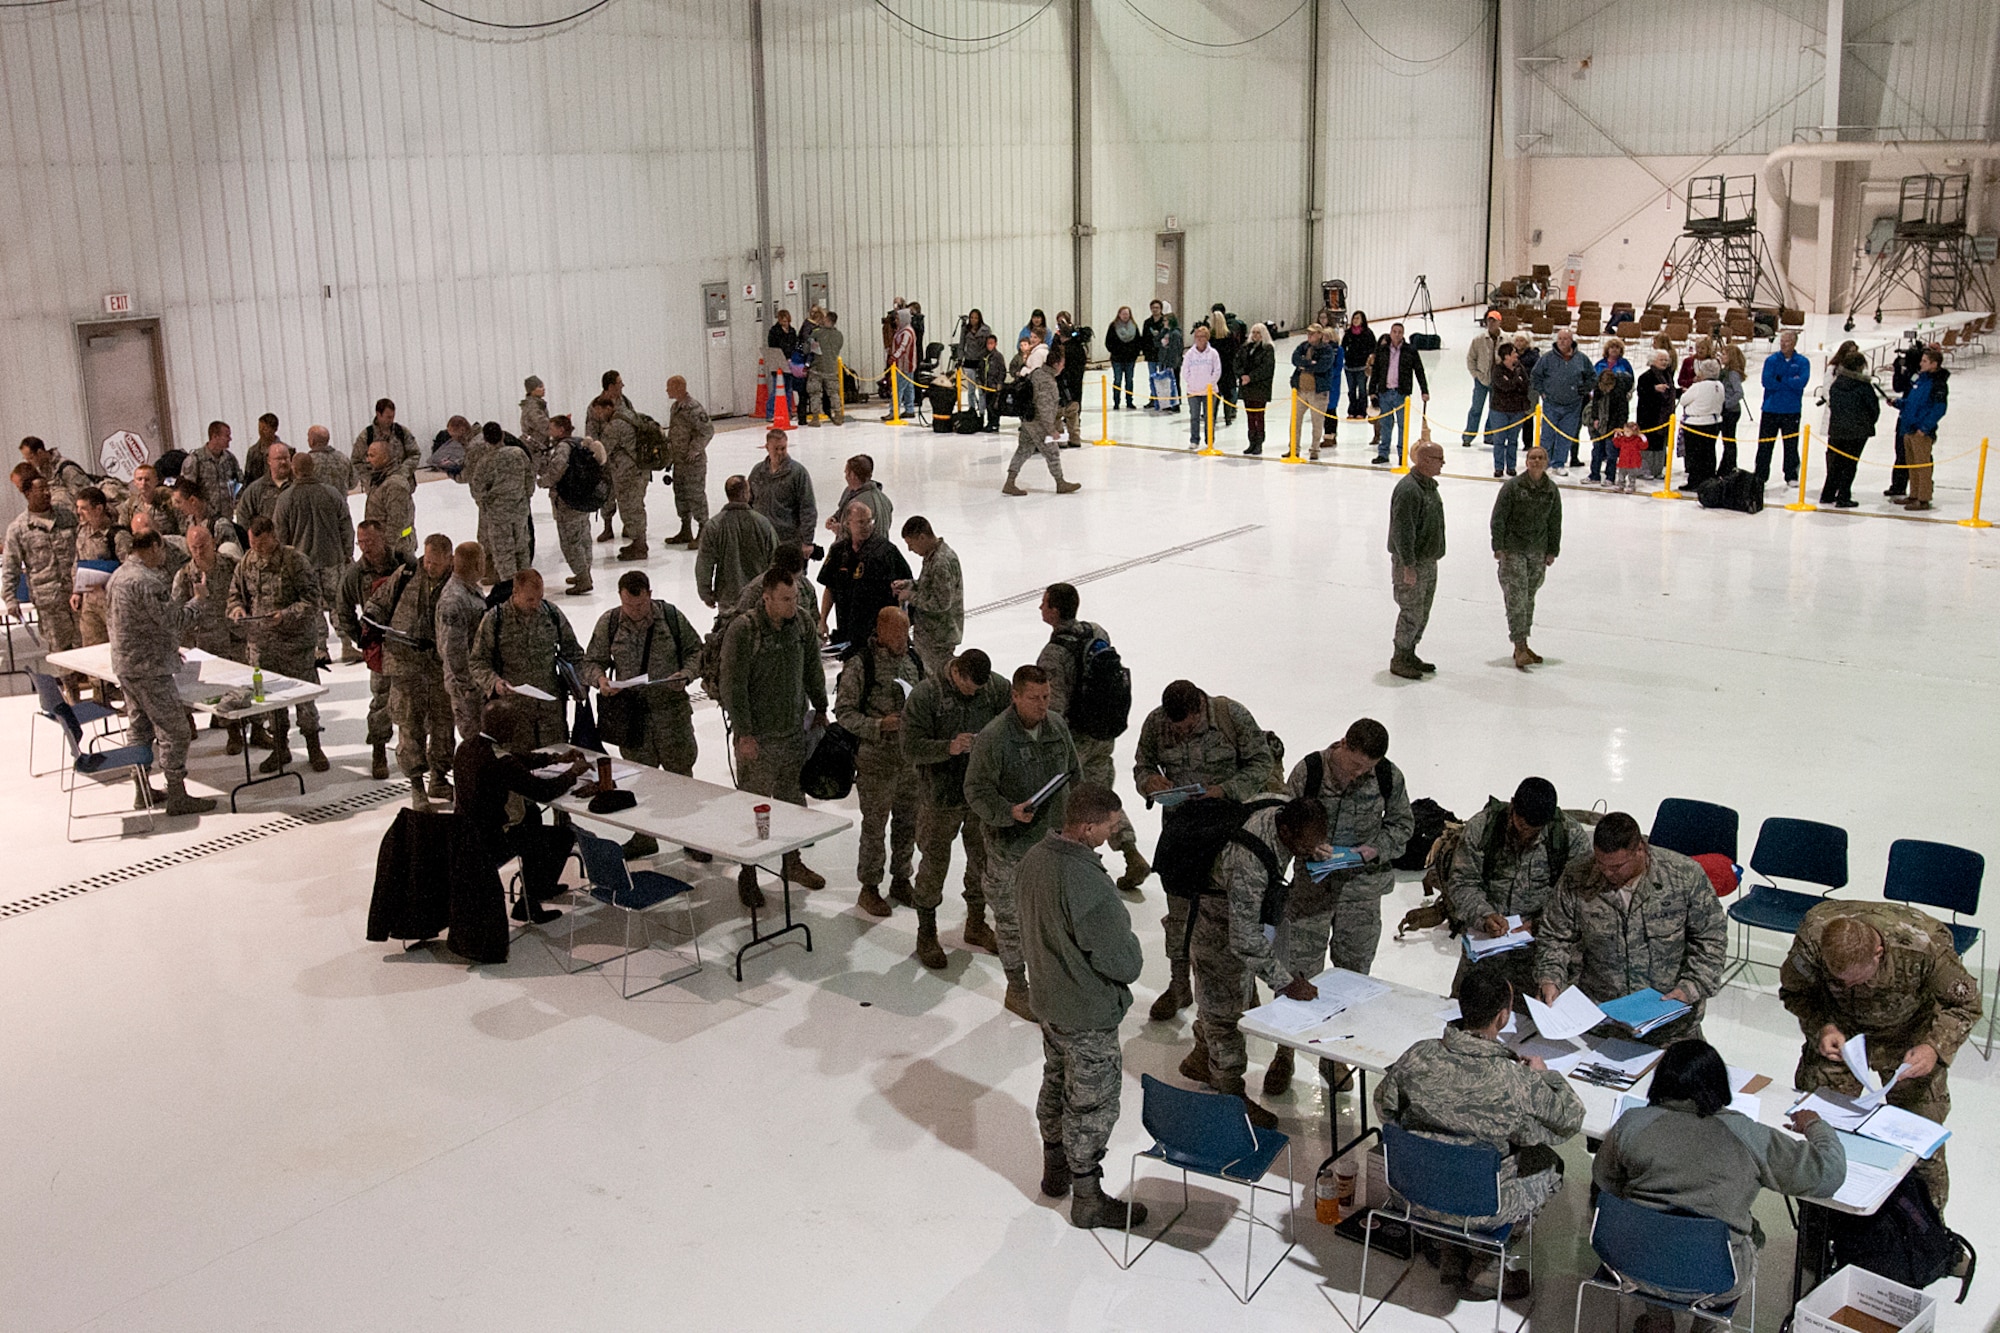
{"x":1326,"y":1197}
{"x":256,"y":678}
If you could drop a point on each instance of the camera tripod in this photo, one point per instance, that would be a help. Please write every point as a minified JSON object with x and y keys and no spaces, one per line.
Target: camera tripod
{"x":1420,"y":303}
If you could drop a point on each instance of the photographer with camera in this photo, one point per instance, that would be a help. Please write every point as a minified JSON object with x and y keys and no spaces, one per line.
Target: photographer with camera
{"x":1075,"y":345}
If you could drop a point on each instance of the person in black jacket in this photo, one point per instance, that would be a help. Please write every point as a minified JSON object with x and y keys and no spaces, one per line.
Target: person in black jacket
{"x":1075,"y":344}
{"x":1123,"y":342}
{"x":989,"y":374}
{"x":783,"y":340}
{"x":489,"y":770}
{"x":1853,"y":405}
{"x":1225,"y":335}
{"x":1398,"y":370}
{"x":1150,"y":334}
{"x":1255,"y":370}
{"x":1357,"y":346}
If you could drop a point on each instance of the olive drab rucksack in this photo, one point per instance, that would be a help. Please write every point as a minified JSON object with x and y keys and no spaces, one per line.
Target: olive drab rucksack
{"x":652,"y":443}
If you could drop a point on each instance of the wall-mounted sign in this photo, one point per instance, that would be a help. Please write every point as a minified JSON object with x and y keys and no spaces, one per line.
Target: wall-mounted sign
{"x":749,"y":291}
{"x":118,"y":303}
{"x":121,"y":454}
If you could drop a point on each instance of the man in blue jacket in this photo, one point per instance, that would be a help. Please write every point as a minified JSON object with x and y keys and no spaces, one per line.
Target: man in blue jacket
{"x":1562,"y":381}
{"x":1785,"y":377}
{"x":1318,"y":355}
{"x":1923,"y":408}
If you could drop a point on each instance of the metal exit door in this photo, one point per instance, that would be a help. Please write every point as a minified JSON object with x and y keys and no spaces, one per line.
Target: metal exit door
{"x":1170,"y":270}
{"x":124,"y":368}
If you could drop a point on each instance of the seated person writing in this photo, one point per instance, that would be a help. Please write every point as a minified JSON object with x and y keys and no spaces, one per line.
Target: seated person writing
{"x":1467,"y":1087}
{"x":489,"y":771}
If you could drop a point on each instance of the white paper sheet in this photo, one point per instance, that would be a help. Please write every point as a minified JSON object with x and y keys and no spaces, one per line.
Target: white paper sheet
{"x":1351,"y":988}
{"x":1854,"y":1054}
{"x":1571,"y":1015}
{"x":1904,"y":1129}
{"x":1839,"y":1111}
{"x":1561,"y":1056}
{"x":1296,"y":1016}
{"x":1517,"y":937}
{"x":1865,"y":1184}
{"x":531,"y":692}
{"x":1747,"y":1103}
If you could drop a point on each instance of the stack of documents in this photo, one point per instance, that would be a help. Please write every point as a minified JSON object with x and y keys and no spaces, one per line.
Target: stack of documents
{"x":1170,"y":797}
{"x":1883,"y":1123}
{"x":1644,"y":1010}
{"x":1571,"y":1015}
{"x":1517,"y":936}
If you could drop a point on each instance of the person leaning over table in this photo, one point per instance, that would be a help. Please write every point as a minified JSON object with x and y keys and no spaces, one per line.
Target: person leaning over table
{"x":1685,"y":1149}
{"x":1507,"y":862}
{"x":1891,"y":974}
{"x":1632,"y":916}
{"x":1467,"y":1087}
{"x":491,"y":765}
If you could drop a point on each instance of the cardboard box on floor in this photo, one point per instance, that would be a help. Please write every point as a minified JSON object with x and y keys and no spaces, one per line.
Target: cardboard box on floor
{"x":1855,"y":1299}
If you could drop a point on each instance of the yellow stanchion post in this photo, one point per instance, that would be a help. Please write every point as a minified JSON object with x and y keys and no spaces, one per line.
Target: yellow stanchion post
{"x":1209,"y":450}
{"x":1538,"y":427}
{"x":1800,"y":506}
{"x":840,"y":372}
{"x":1104,"y":410}
{"x":1292,"y":454}
{"x":1667,"y":491}
{"x":895,"y":417}
{"x":958,"y":391}
{"x":1978,"y":493}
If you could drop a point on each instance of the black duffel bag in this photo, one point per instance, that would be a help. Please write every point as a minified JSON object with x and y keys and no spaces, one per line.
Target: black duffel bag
{"x":828,"y":772}
{"x":1734,"y":489}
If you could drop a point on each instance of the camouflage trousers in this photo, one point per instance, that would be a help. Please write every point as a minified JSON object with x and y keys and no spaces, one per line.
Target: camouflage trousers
{"x":691,"y":489}
{"x":548,"y":723}
{"x":1032,"y":444}
{"x":1001,"y":863}
{"x":823,"y":387}
{"x":1093,"y":760}
{"x":467,"y":711}
{"x":775,"y":770}
{"x":888,"y":790}
{"x":1223,"y":989}
{"x":1347,"y":931}
{"x":59,"y":627}
{"x":1413,"y":603}
{"x":668,"y":739}
{"x":91,"y":624}
{"x":422,"y":712}
{"x":573,"y":536}
{"x":1083,"y":1071}
{"x":159,"y":719}
{"x":381,"y":724}
{"x":937,"y":827}
{"x":504,"y":537}
{"x":629,"y":482}
{"x":1520,"y":577}
{"x":1929,"y":1097}
{"x":934,"y":655}
{"x":329,"y":597}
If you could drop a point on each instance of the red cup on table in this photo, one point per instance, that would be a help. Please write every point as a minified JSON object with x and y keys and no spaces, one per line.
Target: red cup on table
{"x":763,"y":813}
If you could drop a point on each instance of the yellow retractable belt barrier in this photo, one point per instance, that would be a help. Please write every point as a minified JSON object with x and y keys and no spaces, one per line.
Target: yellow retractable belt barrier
{"x":1667,"y":491}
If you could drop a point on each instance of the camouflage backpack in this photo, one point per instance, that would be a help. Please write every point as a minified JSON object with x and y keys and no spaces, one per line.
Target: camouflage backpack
{"x":652,"y":443}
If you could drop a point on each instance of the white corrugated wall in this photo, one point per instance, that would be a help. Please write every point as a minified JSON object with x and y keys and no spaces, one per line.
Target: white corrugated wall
{"x":326,"y":202}
{"x":1409,"y":97}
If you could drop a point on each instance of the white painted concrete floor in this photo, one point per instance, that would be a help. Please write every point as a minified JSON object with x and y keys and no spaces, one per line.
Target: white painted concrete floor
{"x":227,"y":1110}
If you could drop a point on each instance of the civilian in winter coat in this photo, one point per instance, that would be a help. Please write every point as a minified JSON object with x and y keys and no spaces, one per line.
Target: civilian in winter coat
{"x":1610,"y":409}
{"x":1123,"y":341}
{"x":1255,"y":370}
{"x":782,"y":340}
{"x":1357,"y":353}
{"x":1226,"y":336}
{"x":1922,"y":408}
{"x":1172,"y":348}
{"x":1652,"y":407}
{"x":1508,"y":407}
{"x":1785,"y":377}
{"x":1398,"y":369}
{"x":1701,"y":416}
{"x":1316,"y":364}
{"x":1561,"y":382}
{"x":1733,"y":371}
{"x":1201,"y":377}
{"x":1480,"y":355}
{"x":1853,"y":405}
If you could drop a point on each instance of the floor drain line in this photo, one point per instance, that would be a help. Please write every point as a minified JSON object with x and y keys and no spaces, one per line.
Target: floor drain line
{"x":319,"y":814}
{"x":1035,"y":594}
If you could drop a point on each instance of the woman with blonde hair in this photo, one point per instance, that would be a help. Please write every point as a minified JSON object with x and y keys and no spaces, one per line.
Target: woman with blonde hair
{"x":1733,"y":370}
{"x":1255,"y":369}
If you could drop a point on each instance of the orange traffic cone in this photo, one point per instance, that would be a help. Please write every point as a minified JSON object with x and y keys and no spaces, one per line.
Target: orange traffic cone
{"x":782,"y":420}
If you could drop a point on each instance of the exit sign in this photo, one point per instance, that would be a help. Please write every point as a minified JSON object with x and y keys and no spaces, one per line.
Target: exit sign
{"x":118,"y":303}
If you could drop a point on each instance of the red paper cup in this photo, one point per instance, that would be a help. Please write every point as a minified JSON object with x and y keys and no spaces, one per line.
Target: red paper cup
{"x":763,"y":813}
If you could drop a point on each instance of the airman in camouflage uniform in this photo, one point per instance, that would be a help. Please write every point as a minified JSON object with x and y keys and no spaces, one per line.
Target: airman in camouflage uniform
{"x":646,"y":636}
{"x":460,"y":608}
{"x":503,"y":488}
{"x":403,"y":451}
{"x":330,"y":466}
{"x":620,"y":438}
{"x":1230,"y":951}
{"x":145,"y":494}
{"x":518,"y":643}
{"x":1507,"y":862}
{"x":771,"y":673}
{"x":1527,"y":538}
{"x":874,"y":686}
{"x":377,"y":564}
{"x":41,"y":543}
{"x":215,"y":470}
{"x":688,"y":432}
{"x":1466,"y":1087}
{"x":1061,"y":658}
{"x":1631,"y":916}
{"x":535,"y":425}
{"x":936,"y":597}
{"x":1917,"y":995}
{"x":945,"y":713}
{"x":277,"y":591}
{"x":1082,"y":959}
{"x":65,"y":478}
{"x":1013,"y":757}
{"x":782,"y":491}
{"x":391,"y":502}
{"x":736,"y":547}
{"x":1192,"y":737}
{"x":824,"y":343}
{"x":97,"y":538}
{"x":406,"y":602}
{"x":201,"y":583}
{"x":572,"y":525}
{"x":145,"y":640}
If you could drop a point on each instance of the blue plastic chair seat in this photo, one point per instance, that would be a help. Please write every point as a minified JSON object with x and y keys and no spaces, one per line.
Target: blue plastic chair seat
{"x":1249,"y":1167}
{"x":105,"y":763}
{"x":88,"y":711}
{"x":1768,"y":908}
{"x":1608,"y":1278}
{"x":1963,"y":937}
{"x":649,"y":888}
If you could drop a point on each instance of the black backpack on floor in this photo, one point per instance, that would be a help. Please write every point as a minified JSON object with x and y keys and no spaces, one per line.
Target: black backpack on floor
{"x":1734,"y":489}
{"x":1905,"y":1240}
{"x":967,"y":423}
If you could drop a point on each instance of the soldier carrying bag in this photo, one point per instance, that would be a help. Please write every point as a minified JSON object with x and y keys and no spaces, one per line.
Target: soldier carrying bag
{"x":1195,"y":833}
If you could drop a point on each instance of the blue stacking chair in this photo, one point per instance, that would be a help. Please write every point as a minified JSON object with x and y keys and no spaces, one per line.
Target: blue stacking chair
{"x":1209,"y":1134}
{"x":1674,"y":1251}
{"x":102,"y":767}
{"x":633,"y":893}
{"x":1461,"y":1180}
{"x":1796,"y":849}
{"x":1936,"y":874}
{"x":1694,"y":828}
{"x":49,"y":700}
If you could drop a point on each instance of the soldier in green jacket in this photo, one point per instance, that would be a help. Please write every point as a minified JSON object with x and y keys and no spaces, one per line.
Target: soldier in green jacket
{"x":1416,"y":544}
{"x":1193,"y":739}
{"x":1890,"y":973}
{"x":935,"y":597}
{"x":1014,"y":758}
{"x":518,"y":644}
{"x":1632,"y":916}
{"x":275,"y":592}
{"x":771,"y":673}
{"x":734,"y":548}
{"x":1527,"y":538}
{"x":407,"y":603}
{"x":1082,"y":959}
{"x":945,"y":714}
{"x":1466,"y":1087}
{"x":874,"y":686}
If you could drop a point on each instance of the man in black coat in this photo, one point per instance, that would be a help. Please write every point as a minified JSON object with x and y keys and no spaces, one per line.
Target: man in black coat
{"x":488,"y":771}
{"x":859,"y":576}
